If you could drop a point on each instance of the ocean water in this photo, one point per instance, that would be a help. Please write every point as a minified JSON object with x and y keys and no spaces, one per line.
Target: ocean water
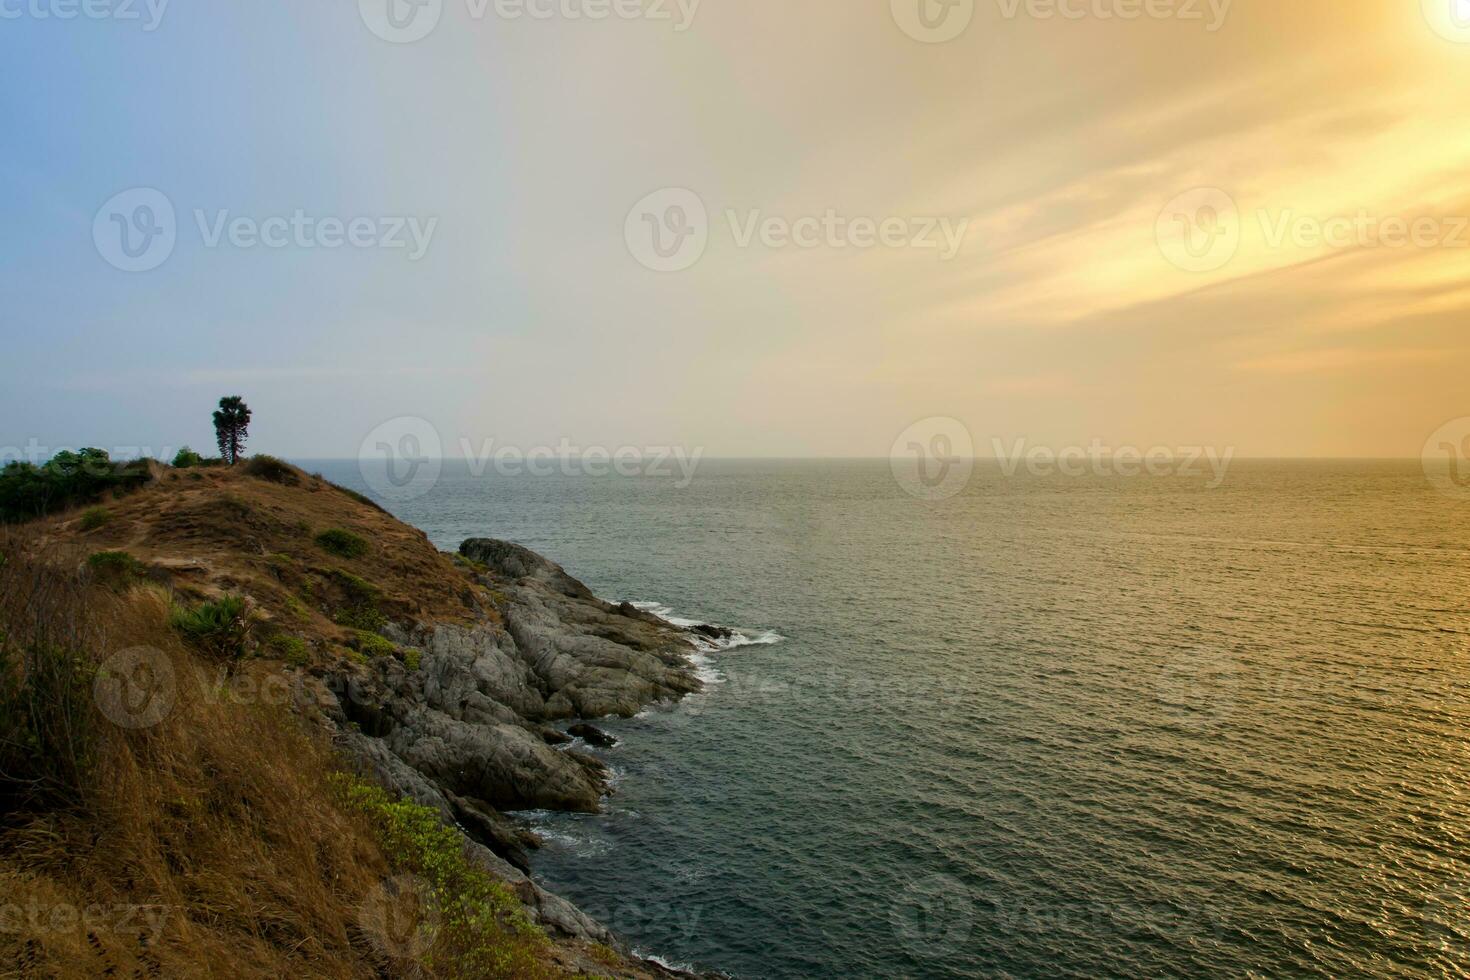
{"x":1052,"y":727}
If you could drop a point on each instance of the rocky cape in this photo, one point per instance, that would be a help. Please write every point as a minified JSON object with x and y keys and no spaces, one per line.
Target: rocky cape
{"x":479,"y":729}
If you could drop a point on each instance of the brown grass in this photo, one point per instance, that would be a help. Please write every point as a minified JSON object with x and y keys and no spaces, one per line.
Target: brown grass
{"x":217,"y":821}
{"x":207,"y":839}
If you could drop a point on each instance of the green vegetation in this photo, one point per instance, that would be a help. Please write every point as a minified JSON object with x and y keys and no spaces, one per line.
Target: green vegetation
{"x":412,"y":659}
{"x":220,"y":628}
{"x":94,"y":518}
{"x":343,"y":544}
{"x":116,"y":568}
{"x":231,"y":428}
{"x":273,"y":470}
{"x":187,"y":458}
{"x":297,"y":608}
{"x":372,"y":645}
{"x":28,"y":491}
{"x":359,"y":610}
{"x":291,"y":649}
{"x":234,"y":506}
{"x":474,"y":926}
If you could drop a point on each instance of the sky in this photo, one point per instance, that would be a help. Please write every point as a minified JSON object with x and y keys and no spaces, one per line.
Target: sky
{"x":764,"y":228}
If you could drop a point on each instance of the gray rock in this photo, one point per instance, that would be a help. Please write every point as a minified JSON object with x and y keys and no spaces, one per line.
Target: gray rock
{"x":593,"y":736}
{"x":468,"y":734}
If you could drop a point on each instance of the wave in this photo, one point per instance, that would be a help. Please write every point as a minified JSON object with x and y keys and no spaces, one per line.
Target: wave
{"x":738,"y":637}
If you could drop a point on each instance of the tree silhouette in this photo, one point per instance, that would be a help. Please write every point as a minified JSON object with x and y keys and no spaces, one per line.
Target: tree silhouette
{"x":231,"y":427}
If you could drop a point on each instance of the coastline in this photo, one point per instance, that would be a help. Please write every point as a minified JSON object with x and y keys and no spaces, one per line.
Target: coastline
{"x":588,"y":658}
{"x":464,"y":684}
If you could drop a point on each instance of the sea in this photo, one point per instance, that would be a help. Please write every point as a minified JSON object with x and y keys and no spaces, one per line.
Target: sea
{"x":1036,"y":725}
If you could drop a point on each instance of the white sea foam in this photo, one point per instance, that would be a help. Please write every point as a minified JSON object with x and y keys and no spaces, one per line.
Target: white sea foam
{"x":739,"y":637}
{"x":666,"y":964}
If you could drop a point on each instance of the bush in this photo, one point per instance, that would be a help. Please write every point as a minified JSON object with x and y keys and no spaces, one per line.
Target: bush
{"x":94,"y":518}
{"x":479,"y":927}
{"x":360,"y":609}
{"x":373,"y":645}
{"x":116,"y":568}
{"x":274,"y":470}
{"x":291,"y":649}
{"x":28,"y":491}
{"x":48,"y":731}
{"x":220,"y":628}
{"x":187,"y":458}
{"x":343,"y":544}
{"x":297,"y":608}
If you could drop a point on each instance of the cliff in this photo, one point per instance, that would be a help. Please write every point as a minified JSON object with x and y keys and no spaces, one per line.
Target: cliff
{"x":449,"y":680}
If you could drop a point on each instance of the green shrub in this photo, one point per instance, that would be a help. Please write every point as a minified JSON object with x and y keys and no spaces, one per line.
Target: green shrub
{"x":28,"y":491}
{"x":273,"y":470}
{"x":94,"y":518}
{"x":480,"y":928}
{"x":373,"y":645}
{"x":413,"y":659}
{"x":291,"y":649}
{"x":359,"y":608}
{"x":187,"y":458}
{"x":343,"y":544}
{"x":297,"y":608}
{"x":116,"y":568}
{"x":220,"y":628}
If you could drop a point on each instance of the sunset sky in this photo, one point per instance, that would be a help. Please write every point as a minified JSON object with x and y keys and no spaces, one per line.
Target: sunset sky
{"x":529,"y":319}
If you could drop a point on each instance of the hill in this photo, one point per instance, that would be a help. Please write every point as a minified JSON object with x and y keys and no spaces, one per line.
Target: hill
{"x":258,"y":708}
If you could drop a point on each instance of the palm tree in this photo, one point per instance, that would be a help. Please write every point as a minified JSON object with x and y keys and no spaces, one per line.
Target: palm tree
{"x":231,"y":427}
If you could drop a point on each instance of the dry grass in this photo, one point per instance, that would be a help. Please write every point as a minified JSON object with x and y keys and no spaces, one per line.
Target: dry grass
{"x":206,"y":835}
{"x":207,"y":844}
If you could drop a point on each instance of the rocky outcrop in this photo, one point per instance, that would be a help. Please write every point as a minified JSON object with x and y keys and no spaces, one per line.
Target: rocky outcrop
{"x":470,"y":731}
